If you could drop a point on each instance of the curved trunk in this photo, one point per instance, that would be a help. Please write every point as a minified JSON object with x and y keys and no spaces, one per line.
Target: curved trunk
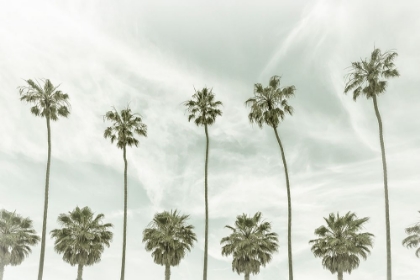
{"x":207,"y":207}
{"x":125,"y":214}
{"x":387,"y":221}
{"x":1,"y":271}
{"x":167,"y":272}
{"x":79,"y":272}
{"x":44,"y":222}
{"x":340,"y":275}
{"x":289,"y":208}
{"x":246,"y":276}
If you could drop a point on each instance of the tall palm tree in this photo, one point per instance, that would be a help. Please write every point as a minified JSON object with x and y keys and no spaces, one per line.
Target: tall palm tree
{"x":16,"y":237}
{"x":251,"y":243}
{"x":340,"y":244}
{"x":82,"y":238}
{"x":125,"y":125}
{"x":368,"y":78}
{"x":269,"y":106}
{"x":203,"y":109}
{"x":51,"y":103}
{"x":169,"y":238}
{"x":413,"y":240}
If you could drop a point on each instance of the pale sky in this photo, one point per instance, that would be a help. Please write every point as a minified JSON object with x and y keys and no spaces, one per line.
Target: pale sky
{"x":152,"y":54}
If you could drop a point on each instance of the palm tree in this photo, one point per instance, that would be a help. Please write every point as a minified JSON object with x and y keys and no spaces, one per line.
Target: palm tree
{"x":168,"y":237}
{"x":340,"y":244}
{"x":124,"y":126}
{"x":368,"y":78}
{"x":269,"y":106}
{"x":204,"y":110}
{"x":413,"y":240}
{"x":82,"y":238}
{"x":251,"y":243}
{"x":49,"y":102}
{"x":16,"y":237}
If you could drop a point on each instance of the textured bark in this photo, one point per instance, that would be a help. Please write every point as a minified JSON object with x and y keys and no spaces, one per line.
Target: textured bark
{"x":167,"y":272}
{"x":79,"y":272}
{"x":207,"y":206}
{"x":387,"y":221}
{"x":1,"y":271}
{"x":289,"y":208}
{"x":246,"y":276}
{"x":125,"y":215}
{"x":44,"y":222}
{"x":340,"y":275}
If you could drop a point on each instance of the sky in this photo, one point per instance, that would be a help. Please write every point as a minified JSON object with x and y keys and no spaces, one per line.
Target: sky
{"x":151,"y":55}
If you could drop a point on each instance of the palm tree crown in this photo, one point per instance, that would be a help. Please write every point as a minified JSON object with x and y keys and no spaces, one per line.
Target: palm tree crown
{"x":269,"y":105}
{"x":124,"y":126}
{"x":251,"y":243}
{"x":16,"y":237}
{"x":48,"y":101}
{"x":340,"y":245}
{"x":365,"y":77}
{"x":82,"y":238}
{"x":413,"y":240}
{"x":169,"y":238}
{"x":202,"y":108}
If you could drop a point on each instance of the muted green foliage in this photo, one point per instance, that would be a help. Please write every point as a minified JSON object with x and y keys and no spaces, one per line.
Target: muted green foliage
{"x":251,"y":244}
{"x":340,"y":244}
{"x":202,"y":108}
{"x":413,"y":240}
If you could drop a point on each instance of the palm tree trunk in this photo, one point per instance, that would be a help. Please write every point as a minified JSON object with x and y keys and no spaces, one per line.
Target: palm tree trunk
{"x":167,"y":272}
{"x":1,"y":271}
{"x":44,"y":222}
{"x":340,"y":275}
{"x":387,"y":221}
{"x":79,"y":272}
{"x":289,"y":208}
{"x":207,"y":206}
{"x":125,"y":214}
{"x":246,"y":276}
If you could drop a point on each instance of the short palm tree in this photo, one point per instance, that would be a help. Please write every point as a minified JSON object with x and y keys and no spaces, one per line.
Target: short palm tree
{"x":16,"y":237}
{"x":340,"y":244}
{"x":251,"y":243}
{"x":168,"y":237}
{"x":269,"y":106}
{"x":50,"y":103}
{"x":368,"y":78}
{"x":413,"y":240}
{"x":203,"y":109}
{"x":82,"y":238}
{"x":125,"y":125}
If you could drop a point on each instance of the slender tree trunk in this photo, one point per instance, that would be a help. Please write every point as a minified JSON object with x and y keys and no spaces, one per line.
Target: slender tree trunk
{"x":387,"y":221}
{"x":125,"y":214}
{"x":246,"y":276}
{"x":340,"y":275}
{"x":1,"y":271}
{"x":206,"y":241}
{"x":79,"y":272}
{"x":167,"y":272}
{"x":289,"y":208}
{"x":44,"y":223}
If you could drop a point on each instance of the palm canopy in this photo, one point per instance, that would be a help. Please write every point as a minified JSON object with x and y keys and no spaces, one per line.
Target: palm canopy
{"x":82,"y":237}
{"x":169,"y":238}
{"x":16,"y":237}
{"x":365,"y":76}
{"x":269,"y":104}
{"x":339,"y":244}
{"x":125,"y":125}
{"x":203,"y":108}
{"x":413,"y":240}
{"x":48,"y":101}
{"x":251,"y":243}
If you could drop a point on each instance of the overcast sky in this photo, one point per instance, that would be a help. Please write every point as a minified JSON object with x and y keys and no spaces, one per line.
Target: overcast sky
{"x":152,"y":54}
